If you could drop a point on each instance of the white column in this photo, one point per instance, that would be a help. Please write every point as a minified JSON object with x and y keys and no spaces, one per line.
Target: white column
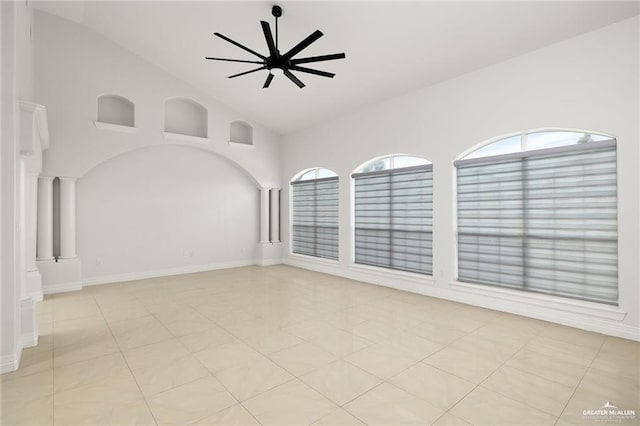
{"x":275,"y":215}
{"x":45,"y":218}
{"x":264,"y":215}
{"x":67,"y":218}
{"x":32,"y":221}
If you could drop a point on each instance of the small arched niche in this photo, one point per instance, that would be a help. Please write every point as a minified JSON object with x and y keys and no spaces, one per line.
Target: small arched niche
{"x":116,"y":110}
{"x":185,"y":117}
{"x":240,"y":134}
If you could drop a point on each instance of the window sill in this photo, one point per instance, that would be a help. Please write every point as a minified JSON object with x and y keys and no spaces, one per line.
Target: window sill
{"x":613,"y":313}
{"x":393,"y":274}
{"x":308,"y":258}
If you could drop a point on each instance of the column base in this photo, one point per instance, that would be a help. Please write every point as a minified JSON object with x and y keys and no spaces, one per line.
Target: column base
{"x":61,"y":276}
{"x":269,"y":254}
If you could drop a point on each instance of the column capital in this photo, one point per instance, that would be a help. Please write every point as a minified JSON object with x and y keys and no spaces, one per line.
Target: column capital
{"x":46,"y":178}
{"x":265,"y":188}
{"x":68,"y":178}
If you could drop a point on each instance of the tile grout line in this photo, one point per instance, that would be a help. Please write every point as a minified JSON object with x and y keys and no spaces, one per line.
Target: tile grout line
{"x":144,"y":398}
{"x":483,"y":380}
{"x":197,"y":360}
{"x":580,"y":382}
{"x":277,"y":323}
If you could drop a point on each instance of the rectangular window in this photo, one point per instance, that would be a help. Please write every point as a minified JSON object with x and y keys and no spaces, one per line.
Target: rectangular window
{"x":542,"y":221}
{"x":393,"y":218}
{"x":315,"y":218}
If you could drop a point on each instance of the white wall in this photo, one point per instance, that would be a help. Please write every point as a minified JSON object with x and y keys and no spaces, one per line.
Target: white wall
{"x":164,"y":207}
{"x":17,"y":84}
{"x":588,"y":82}
{"x":75,"y":65}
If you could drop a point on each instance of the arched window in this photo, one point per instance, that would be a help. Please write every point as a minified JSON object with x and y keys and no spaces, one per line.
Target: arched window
{"x":393,"y":213}
{"x":538,"y":212}
{"x":314,"y":230}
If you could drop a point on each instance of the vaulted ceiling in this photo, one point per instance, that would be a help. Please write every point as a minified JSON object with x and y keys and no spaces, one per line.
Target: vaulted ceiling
{"x":392,"y":47}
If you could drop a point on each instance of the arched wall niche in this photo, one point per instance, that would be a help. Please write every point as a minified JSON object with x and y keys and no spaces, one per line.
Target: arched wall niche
{"x":116,"y":109}
{"x":193,"y":210}
{"x":184,"y":116}
{"x":241,"y":132}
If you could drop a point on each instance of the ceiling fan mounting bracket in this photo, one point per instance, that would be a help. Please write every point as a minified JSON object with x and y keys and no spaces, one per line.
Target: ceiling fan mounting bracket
{"x":276,"y":11}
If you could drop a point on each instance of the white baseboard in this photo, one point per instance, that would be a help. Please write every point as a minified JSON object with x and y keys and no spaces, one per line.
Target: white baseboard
{"x":268,"y":262}
{"x":597,"y":321}
{"x":132,"y":276}
{"x":9,"y":363}
{"x":62,"y":288}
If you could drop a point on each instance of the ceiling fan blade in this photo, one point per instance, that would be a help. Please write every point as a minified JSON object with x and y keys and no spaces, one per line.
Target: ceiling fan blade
{"x":235,"y":43}
{"x":294,"y":78}
{"x":266,"y":29}
{"x":267,"y":82}
{"x":318,"y":58}
{"x":235,"y":60}
{"x":303,"y":44}
{"x":247,"y":72}
{"x":311,"y":71}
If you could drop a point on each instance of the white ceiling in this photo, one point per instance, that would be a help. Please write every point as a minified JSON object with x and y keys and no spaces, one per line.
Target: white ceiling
{"x":391,"y":47}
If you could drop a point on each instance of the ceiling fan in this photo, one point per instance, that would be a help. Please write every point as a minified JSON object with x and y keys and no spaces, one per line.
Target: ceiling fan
{"x":278,"y":63}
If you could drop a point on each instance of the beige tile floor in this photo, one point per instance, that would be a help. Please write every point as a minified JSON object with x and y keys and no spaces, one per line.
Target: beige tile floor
{"x":280,"y":345}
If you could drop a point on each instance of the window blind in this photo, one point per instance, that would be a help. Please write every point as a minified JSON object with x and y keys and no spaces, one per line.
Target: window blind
{"x":542,"y":221}
{"x":393,"y":218}
{"x":315,"y":218}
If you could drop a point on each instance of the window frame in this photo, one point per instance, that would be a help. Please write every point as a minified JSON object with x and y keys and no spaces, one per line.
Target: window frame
{"x":381,"y":270}
{"x":297,"y":180}
{"x":602,"y":309}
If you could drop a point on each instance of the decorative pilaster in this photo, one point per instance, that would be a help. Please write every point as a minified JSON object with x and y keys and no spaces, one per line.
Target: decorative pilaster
{"x":264,"y":215}
{"x":45,"y":218}
{"x":275,"y":215}
{"x":67,"y":218}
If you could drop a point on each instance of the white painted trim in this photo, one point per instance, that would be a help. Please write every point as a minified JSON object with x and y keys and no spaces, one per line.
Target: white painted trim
{"x":29,"y":340}
{"x":574,"y":313}
{"x":62,"y":288}
{"x":393,"y":274}
{"x":33,"y":117}
{"x":132,"y":276}
{"x":116,"y":127}
{"x":269,"y":262}
{"x":184,"y":138}
{"x":240,"y":145}
{"x":37,"y":296}
{"x":548,"y":301}
{"x":11,"y":362}
{"x":313,"y":259}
